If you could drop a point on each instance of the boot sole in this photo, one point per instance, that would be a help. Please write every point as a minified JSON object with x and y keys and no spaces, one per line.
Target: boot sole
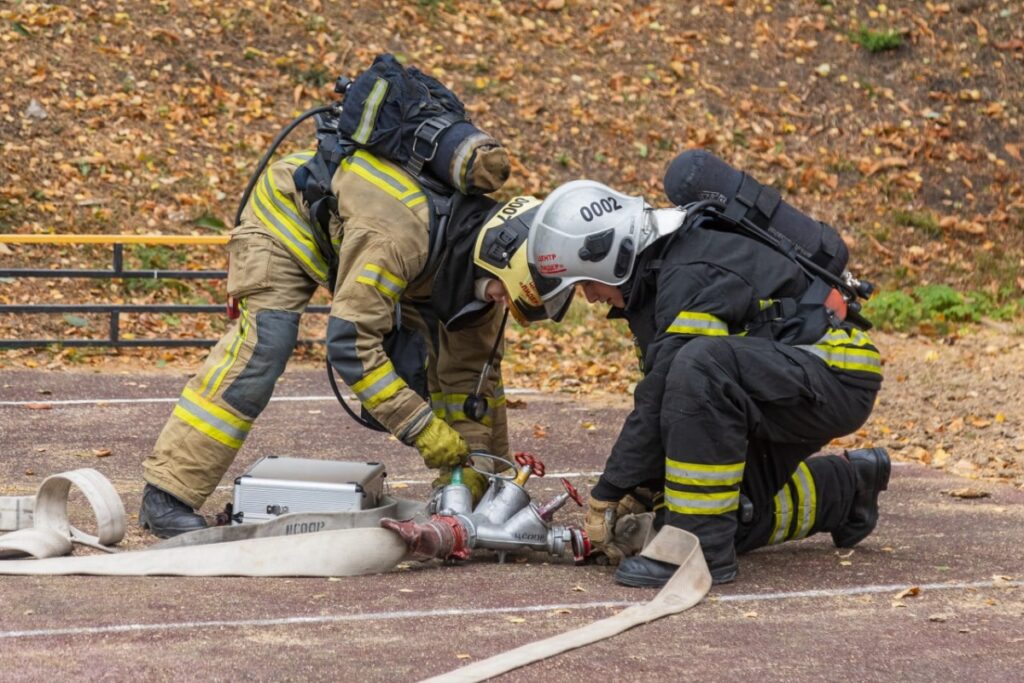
{"x":638,"y":580}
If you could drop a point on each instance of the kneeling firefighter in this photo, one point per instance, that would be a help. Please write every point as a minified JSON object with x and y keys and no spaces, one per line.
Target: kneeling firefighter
{"x":744,"y":321}
{"x":389,"y":215}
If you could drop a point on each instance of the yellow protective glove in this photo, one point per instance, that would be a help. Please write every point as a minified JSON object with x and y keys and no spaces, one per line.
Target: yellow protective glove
{"x":474,"y":481}
{"x":440,"y":445}
{"x":599,"y":523}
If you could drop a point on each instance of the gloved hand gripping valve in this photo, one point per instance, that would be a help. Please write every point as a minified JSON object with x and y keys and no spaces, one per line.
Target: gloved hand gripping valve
{"x":504,"y":520}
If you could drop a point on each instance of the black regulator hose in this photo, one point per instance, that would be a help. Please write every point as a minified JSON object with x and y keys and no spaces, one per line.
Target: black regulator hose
{"x":270,"y":152}
{"x":344,"y":404}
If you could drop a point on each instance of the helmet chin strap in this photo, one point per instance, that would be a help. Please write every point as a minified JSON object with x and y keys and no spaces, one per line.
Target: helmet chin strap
{"x":475,"y":405}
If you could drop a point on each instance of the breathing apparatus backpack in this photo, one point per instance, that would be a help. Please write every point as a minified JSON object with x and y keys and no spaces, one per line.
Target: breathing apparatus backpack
{"x":698,"y":179}
{"x":402,"y":115}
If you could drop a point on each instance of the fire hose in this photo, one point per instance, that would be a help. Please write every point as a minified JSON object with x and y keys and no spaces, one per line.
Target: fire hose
{"x":504,"y":520}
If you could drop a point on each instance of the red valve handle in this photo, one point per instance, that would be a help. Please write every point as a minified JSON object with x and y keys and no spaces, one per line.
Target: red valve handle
{"x":573,"y":493}
{"x":536,"y":466}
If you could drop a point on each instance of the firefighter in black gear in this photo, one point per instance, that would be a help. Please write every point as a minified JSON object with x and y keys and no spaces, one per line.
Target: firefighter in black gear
{"x":746,"y":375}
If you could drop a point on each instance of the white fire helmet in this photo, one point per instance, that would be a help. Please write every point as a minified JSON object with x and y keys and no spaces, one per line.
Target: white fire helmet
{"x":587,"y":231}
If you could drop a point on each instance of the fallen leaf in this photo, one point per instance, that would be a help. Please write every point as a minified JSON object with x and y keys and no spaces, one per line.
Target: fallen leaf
{"x":911,"y":592}
{"x":406,"y":590}
{"x":589,"y":426}
{"x":938,"y":617}
{"x":516,"y":620}
{"x":968,"y":493}
{"x":398,"y":486}
{"x":540,"y":432}
{"x":750,"y":615}
{"x":463,"y":656}
{"x":39,"y":406}
{"x":579,"y":589}
{"x":515,"y":404}
{"x":102,"y":452}
{"x":845,"y":563}
{"x":1013,"y":151}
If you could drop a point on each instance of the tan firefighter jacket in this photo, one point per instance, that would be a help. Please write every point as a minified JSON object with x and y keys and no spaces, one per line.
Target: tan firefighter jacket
{"x":382,"y":238}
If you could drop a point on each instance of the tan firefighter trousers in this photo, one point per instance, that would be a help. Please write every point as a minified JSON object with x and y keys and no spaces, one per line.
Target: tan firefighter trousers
{"x":234,"y":384}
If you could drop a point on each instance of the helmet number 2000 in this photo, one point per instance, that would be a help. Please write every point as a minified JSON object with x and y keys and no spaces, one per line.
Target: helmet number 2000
{"x":599,"y":208}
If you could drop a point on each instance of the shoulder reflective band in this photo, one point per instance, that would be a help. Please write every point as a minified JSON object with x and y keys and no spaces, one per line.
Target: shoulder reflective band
{"x":371,"y":107}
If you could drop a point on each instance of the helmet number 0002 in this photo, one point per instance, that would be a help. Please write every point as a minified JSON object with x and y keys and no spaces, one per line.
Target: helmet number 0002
{"x":599,"y":208}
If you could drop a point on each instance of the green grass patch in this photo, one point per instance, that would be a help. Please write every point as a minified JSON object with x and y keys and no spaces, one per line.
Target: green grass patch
{"x":877,"y":41}
{"x":919,"y":220}
{"x":938,"y":307}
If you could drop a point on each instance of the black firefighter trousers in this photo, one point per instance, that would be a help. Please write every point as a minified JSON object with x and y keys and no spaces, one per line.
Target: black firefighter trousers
{"x":739,"y":420}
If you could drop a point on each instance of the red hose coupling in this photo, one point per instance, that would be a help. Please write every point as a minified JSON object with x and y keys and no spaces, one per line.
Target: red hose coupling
{"x":459,"y":548}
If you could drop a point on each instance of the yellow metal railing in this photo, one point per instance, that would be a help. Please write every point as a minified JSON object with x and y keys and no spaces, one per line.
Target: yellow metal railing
{"x":115,"y":239}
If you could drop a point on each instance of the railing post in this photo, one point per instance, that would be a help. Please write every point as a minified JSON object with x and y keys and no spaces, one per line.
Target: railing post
{"x":118,"y":257}
{"x":115,"y":327}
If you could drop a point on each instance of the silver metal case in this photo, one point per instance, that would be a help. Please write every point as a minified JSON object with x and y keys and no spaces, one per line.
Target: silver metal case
{"x":275,"y":486}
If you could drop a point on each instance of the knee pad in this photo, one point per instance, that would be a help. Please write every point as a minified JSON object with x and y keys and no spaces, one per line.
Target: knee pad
{"x":276,"y":335}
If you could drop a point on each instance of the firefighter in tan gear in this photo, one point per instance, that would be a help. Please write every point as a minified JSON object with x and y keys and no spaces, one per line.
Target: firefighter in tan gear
{"x":381,"y":236}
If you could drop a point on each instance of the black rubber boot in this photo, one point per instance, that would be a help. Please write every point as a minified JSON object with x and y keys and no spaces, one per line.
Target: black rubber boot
{"x":166,"y":516}
{"x":872,"y":467}
{"x":643,"y":572}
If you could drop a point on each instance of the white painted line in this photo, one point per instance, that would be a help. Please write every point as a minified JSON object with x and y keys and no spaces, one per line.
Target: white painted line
{"x":131,"y":401}
{"x":479,"y":611}
{"x":412,"y":482}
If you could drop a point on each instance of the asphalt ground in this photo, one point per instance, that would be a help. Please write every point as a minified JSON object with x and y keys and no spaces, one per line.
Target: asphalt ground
{"x":801,"y":611}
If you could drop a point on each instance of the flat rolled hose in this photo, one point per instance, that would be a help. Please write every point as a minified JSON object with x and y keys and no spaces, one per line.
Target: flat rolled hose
{"x":51,"y":534}
{"x":686,"y":588}
{"x":341,"y":552}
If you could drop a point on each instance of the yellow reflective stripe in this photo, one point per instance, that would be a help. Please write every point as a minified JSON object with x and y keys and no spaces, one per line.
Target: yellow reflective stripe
{"x":386,"y":282}
{"x":765,"y":303}
{"x":701,"y":474}
{"x":846,"y":358}
{"x":378,"y":386}
{"x":211,"y":382}
{"x":454,"y":405}
{"x":691,"y":503}
{"x":393,"y":182}
{"x":783,"y":515}
{"x":437,"y":404}
{"x":299,"y":158}
{"x":845,"y":338}
{"x":279,"y":215}
{"x":211,"y":419}
{"x":371,"y":107}
{"x":694,"y":322}
{"x":807,"y":501}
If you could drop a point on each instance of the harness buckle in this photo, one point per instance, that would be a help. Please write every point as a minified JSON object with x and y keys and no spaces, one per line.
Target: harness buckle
{"x":429,"y":132}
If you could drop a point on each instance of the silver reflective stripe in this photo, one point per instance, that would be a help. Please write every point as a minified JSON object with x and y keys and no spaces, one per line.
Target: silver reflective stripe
{"x":267,"y":214}
{"x":370,"y":109}
{"x":380,"y":281}
{"x":728,"y":474}
{"x":464,"y":152}
{"x":805,"y":486}
{"x":365,"y":394}
{"x":709,"y":503}
{"x":384,"y":177}
{"x":783,"y":515}
{"x":698,"y":323}
{"x":210,"y":419}
{"x":845,"y":358}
